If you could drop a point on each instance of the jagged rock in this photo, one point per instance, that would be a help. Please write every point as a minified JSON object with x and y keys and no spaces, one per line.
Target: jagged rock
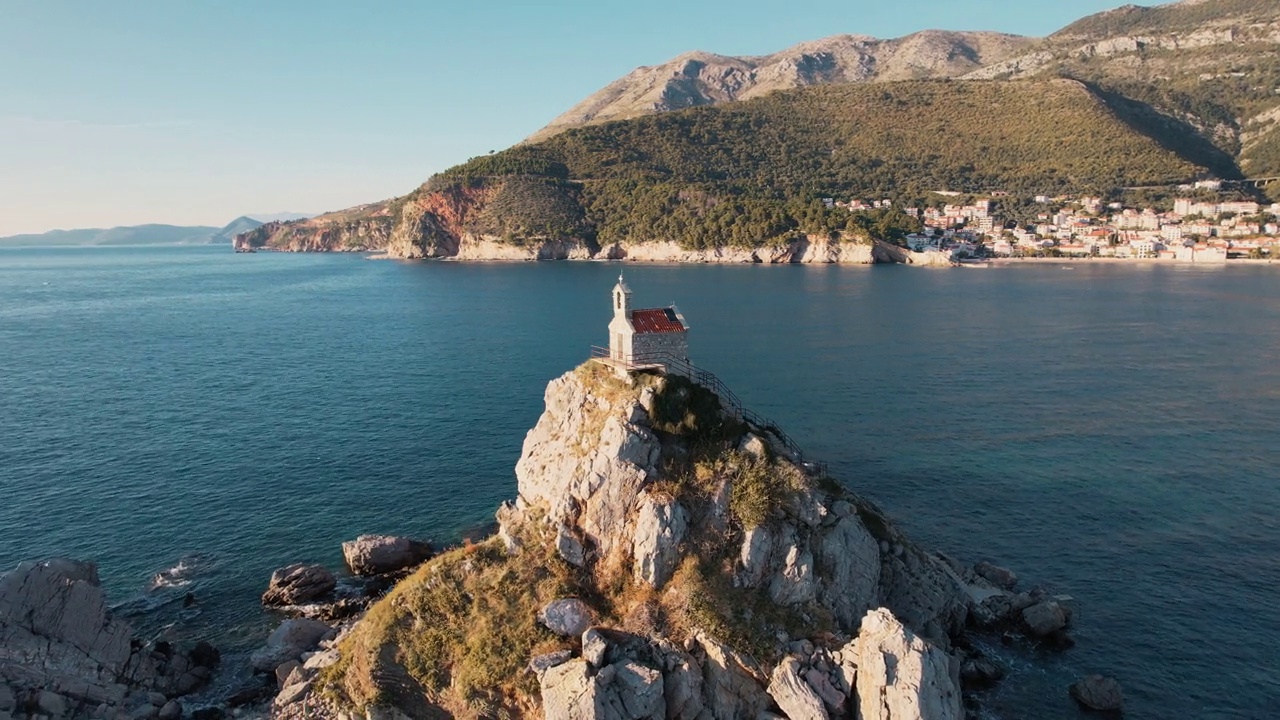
{"x":321,"y":660}
{"x":757,"y":544}
{"x":594,"y":647}
{"x":284,"y":669}
{"x":794,"y":583}
{"x":660,"y":527}
{"x":378,"y":554}
{"x":734,"y":686}
{"x":1002,"y":578}
{"x":622,"y":691}
{"x":796,"y":698}
{"x":293,"y":693}
{"x":980,"y":673}
{"x":848,"y":564}
{"x":754,"y":446}
{"x":171,"y":710}
{"x":1044,"y":618}
{"x":591,"y":485}
{"x":565,"y":691}
{"x":901,"y":676}
{"x":287,"y":642}
{"x":1098,"y":693}
{"x":682,"y":685}
{"x":570,"y":547}
{"x":205,"y":655}
{"x":298,"y":584}
{"x":567,"y":617}
{"x":539,"y":664}
{"x":63,"y":654}
{"x":832,"y":697}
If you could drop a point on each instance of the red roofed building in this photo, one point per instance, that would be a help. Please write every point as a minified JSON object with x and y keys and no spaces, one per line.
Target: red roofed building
{"x":645,"y":336}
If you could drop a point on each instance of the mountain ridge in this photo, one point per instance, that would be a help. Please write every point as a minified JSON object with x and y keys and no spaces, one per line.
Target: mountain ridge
{"x":1213,"y":65}
{"x":703,"y":78}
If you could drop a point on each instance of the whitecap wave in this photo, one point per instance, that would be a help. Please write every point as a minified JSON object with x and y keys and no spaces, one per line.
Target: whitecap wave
{"x":180,"y":575}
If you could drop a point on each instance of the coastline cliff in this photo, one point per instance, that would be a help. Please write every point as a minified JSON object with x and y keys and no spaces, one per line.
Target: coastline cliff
{"x":667,"y":558}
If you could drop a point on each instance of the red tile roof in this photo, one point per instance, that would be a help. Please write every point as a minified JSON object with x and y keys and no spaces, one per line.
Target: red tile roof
{"x":656,"y":320}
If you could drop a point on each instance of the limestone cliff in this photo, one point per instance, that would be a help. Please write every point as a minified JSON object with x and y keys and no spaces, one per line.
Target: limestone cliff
{"x":666,"y":558}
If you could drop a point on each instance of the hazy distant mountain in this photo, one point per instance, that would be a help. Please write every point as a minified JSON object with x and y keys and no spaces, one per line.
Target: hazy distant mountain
{"x":151,"y":234}
{"x":241,"y":224}
{"x":134,"y":235}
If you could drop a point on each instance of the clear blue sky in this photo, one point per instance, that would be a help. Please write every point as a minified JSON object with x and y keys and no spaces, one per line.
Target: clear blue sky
{"x":194,"y":112}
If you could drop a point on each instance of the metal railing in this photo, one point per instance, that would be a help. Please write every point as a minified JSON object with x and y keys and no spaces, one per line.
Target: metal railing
{"x":707,"y":379}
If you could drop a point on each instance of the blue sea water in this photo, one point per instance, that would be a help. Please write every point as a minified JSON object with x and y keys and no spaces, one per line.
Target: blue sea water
{"x":1110,"y":431}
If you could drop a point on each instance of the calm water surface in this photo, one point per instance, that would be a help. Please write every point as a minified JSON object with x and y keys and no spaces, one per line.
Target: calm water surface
{"x":1112,"y":432}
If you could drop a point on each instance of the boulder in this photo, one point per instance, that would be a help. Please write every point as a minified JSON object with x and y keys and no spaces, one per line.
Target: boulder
{"x":901,"y":676}
{"x":288,"y":642}
{"x":171,"y":710}
{"x":832,"y":697}
{"x":622,"y":691}
{"x":379,"y":554}
{"x":1098,"y":693}
{"x":980,"y":673}
{"x":660,"y":527}
{"x":539,"y":664}
{"x":1003,"y":578}
{"x":567,"y":617}
{"x":1044,"y":618}
{"x":297,"y":584}
{"x":594,"y":647}
{"x":796,"y":698}
{"x":284,"y":669}
{"x":204,"y":655}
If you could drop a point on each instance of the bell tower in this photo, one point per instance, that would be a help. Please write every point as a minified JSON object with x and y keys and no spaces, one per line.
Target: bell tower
{"x":621,"y":331}
{"x":621,"y":299}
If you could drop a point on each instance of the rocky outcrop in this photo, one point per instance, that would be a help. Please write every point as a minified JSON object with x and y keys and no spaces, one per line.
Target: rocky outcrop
{"x":680,"y":562}
{"x":288,"y":642}
{"x":63,"y":655}
{"x":1098,"y":693}
{"x":901,"y":677}
{"x":594,"y":450}
{"x":298,"y":584}
{"x":568,"y":616}
{"x":660,"y":527}
{"x":371,"y":555}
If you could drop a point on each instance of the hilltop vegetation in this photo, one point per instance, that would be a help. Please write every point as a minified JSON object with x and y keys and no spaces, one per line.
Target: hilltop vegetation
{"x":755,"y":173}
{"x":1133,"y":97}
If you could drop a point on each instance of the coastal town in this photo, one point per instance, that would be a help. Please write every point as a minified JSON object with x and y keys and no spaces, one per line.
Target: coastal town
{"x":1201,"y":227}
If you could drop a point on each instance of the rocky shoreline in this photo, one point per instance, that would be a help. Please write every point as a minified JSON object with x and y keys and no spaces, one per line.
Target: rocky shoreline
{"x":663,"y":559}
{"x":811,"y":250}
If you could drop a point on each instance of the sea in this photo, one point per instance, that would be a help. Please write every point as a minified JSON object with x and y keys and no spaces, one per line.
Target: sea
{"x":191,"y":419}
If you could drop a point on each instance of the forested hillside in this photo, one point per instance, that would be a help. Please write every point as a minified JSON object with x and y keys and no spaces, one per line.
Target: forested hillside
{"x":754,"y":173}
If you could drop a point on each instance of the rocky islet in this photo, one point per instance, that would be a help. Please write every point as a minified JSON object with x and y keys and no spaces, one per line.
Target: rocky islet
{"x":856,"y":620}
